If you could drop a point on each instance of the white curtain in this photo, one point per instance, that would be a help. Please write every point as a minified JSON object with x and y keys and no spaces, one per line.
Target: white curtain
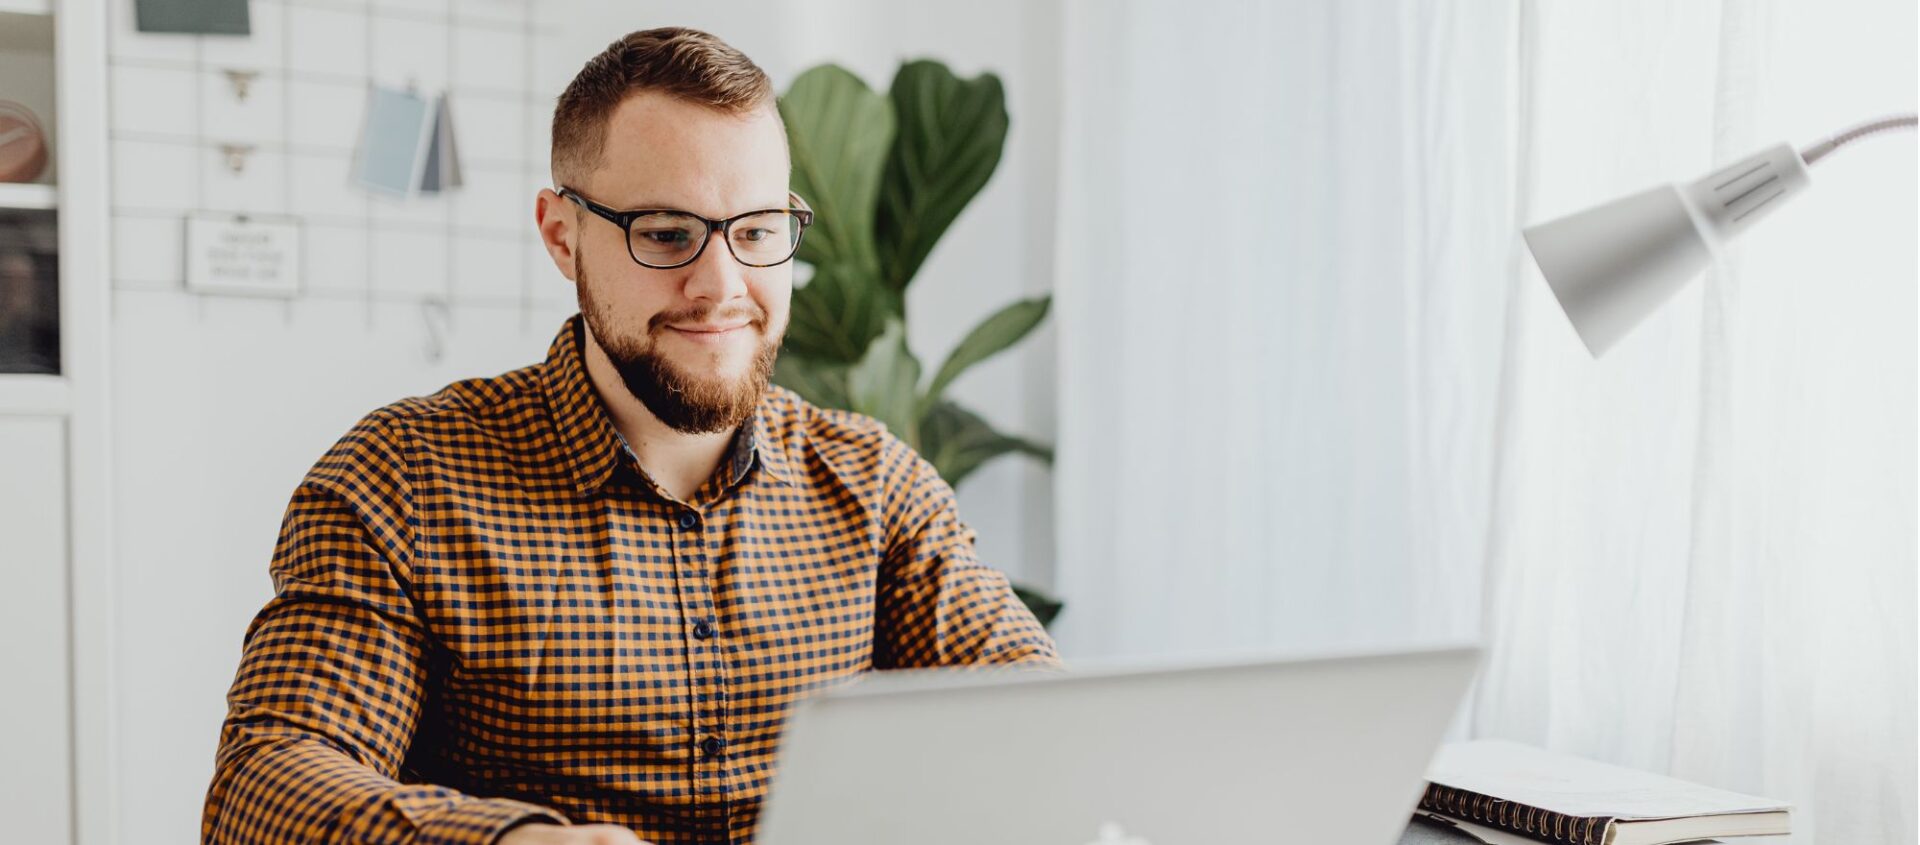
{"x":1314,"y":393}
{"x":1283,"y":244}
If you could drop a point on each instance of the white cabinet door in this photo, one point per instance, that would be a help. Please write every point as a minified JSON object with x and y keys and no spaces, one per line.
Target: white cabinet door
{"x":35,"y":726}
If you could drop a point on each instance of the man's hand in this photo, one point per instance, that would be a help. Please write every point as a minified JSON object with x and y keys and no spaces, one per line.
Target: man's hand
{"x":586,"y":834}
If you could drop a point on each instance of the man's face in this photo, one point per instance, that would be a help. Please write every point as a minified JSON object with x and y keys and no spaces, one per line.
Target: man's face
{"x":697,"y":343}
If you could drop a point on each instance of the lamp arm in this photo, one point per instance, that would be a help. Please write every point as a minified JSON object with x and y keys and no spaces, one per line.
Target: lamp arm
{"x":1820,"y":150}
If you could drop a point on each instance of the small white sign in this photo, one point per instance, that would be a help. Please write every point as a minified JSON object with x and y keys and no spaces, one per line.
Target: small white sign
{"x":243,"y":254}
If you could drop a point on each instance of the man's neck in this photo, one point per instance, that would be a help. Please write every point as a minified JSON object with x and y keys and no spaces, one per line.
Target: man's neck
{"x":677,"y":461}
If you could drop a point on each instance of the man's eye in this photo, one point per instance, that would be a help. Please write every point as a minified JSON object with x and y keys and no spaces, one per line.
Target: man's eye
{"x":665,"y":237}
{"x":757,"y":235}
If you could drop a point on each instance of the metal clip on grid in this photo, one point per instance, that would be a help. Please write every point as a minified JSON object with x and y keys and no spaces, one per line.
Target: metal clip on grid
{"x":242,"y":81}
{"x":236,"y":156}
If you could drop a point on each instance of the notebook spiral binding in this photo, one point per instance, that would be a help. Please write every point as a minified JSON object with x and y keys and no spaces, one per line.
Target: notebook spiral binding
{"x":1519,"y":818}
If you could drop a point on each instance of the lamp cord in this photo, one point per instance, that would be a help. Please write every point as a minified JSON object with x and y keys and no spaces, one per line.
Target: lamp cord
{"x":1820,"y":150}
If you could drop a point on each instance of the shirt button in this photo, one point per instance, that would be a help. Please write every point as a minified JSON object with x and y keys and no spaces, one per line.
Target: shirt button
{"x":703,"y":630}
{"x":712,"y":746}
{"x":688,"y":520}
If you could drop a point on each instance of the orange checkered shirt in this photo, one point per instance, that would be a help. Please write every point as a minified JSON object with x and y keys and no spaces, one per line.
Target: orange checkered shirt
{"x":485,"y":613}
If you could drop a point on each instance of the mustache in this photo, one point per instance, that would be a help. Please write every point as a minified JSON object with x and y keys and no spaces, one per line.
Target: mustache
{"x":755,"y":315}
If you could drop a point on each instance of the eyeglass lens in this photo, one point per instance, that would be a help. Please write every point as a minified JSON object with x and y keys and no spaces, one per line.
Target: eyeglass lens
{"x":670,"y":238}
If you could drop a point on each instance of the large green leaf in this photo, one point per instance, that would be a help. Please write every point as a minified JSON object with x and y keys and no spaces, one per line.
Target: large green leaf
{"x":951,"y":134}
{"x":1045,"y":607}
{"x":957,"y":442}
{"x":1005,"y":328}
{"x":882,"y":198}
{"x":837,"y":314}
{"x":839,"y":132}
{"x":884,"y":384}
{"x":822,"y":384}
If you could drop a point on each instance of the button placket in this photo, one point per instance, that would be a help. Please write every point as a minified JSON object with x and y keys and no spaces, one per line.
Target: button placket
{"x":703,"y":655}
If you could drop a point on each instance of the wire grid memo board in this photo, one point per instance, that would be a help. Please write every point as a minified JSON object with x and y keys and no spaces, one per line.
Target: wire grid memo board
{"x":267,"y":125}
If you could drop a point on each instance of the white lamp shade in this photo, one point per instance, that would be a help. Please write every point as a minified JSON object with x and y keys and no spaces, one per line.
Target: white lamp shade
{"x":1612,"y":265}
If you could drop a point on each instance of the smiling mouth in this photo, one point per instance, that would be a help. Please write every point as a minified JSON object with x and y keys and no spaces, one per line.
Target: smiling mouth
{"x":708,"y":329}
{"x":704,"y":335}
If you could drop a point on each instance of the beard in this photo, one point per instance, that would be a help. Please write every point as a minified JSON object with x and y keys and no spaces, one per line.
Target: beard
{"x":686,"y":401}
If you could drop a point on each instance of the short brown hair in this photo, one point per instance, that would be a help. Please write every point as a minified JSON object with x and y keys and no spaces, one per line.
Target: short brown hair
{"x":686,"y":63}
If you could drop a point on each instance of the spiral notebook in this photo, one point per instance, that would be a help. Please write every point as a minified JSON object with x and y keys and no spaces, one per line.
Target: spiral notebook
{"x":1556,"y":798}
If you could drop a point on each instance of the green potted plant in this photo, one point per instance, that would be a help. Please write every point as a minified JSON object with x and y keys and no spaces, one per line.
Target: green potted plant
{"x":886,"y":175}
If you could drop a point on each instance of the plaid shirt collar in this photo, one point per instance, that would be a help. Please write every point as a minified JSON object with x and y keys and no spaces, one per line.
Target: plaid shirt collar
{"x":593,"y":446}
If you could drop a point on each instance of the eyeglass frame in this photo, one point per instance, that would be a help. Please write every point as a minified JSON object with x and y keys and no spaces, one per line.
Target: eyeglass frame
{"x":624,"y":219}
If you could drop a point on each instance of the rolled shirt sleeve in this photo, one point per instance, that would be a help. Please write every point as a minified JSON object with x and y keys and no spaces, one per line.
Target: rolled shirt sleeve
{"x":333,"y":675}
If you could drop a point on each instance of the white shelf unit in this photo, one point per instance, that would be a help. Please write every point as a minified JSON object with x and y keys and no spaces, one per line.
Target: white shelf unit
{"x":55,"y":493}
{"x":26,"y":7}
{"x":29,"y":196}
{"x":29,"y":74}
{"x":34,"y":395}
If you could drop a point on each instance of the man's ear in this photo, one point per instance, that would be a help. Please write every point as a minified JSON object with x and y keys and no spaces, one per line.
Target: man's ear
{"x":555,"y":217}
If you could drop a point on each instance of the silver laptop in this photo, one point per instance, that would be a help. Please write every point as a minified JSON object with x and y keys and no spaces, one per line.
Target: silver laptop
{"x":1323,"y":750}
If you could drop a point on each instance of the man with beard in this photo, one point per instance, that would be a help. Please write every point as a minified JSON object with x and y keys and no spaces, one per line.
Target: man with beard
{"x":572,"y":603}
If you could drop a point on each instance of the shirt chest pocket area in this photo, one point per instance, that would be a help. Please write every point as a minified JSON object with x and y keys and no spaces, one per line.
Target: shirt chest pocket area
{"x":497,"y":629}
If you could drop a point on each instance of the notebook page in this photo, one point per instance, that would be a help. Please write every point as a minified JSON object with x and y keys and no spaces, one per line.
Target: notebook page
{"x":1578,"y":787}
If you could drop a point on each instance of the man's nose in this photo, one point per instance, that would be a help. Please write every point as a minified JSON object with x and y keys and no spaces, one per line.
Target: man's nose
{"x":716,"y":275}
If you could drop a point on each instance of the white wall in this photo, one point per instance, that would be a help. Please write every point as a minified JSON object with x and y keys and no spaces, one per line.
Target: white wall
{"x":33,"y":618}
{"x":222,"y":403}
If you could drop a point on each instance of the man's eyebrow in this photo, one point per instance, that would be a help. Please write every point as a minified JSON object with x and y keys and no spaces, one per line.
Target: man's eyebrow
{"x":635,"y":206}
{"x":652,"y":205}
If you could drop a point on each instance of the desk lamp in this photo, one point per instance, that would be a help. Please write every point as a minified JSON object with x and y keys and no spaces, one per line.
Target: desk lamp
{"x":1612,"y":265}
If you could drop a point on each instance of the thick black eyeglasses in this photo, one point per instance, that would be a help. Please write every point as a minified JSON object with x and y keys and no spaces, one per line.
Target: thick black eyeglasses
{"x":665,"y":238}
